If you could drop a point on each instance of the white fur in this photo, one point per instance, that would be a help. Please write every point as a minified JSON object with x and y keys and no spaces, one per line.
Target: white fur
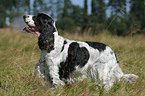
{"x":30,"y":20}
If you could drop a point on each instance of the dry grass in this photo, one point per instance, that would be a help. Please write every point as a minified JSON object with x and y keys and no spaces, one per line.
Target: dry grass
{"x":19,"y":53}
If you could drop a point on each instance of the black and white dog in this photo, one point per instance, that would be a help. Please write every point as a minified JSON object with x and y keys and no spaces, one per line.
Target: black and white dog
{"x":61,"y":58}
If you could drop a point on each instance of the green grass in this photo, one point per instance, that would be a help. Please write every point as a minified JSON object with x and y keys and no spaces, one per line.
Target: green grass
{"x":19,"y":53}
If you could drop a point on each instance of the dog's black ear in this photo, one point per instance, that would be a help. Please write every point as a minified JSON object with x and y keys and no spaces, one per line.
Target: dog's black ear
{"x":45,"y":19}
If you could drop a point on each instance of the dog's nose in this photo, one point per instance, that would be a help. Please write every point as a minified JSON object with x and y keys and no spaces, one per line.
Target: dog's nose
{"x":24,"y":16}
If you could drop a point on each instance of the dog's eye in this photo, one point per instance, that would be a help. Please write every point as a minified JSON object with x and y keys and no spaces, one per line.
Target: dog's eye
{"x":34,"y":18}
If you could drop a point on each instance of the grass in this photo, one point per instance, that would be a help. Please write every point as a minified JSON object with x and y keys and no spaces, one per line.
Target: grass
{"x":19,"y":53}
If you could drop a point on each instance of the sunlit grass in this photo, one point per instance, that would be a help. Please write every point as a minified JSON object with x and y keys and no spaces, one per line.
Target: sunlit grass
{"x":19,"y":53}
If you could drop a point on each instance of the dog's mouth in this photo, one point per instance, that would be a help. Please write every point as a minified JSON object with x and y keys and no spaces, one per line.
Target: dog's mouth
{"x":30,"y":29}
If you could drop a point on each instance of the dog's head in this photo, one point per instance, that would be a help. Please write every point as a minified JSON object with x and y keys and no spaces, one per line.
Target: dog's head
{"x":41,"y":23}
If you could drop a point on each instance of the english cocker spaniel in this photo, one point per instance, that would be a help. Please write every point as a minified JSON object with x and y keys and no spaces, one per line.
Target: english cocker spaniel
{"x":62,"y":60}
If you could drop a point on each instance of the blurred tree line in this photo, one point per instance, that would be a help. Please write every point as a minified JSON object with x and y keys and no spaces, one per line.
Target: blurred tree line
{"x":73,"y":18}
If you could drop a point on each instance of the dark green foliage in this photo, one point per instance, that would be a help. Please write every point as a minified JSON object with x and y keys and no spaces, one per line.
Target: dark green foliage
{"x":130,"y":23}
{"x":14,"y":8}
{"x":138,"y":11}
{"x":116,"y":5}
{"x":84,"y":18}
{"x":85,"y":7}
{"x":98,"y":9}
{"x":119,"y":26}
{"x":117,"y":22}
{"x":66,"y":24}
{"x":67,"y":9}
{"x":94,"y":21}
{"x":77,"y":14}
{"x":40,"y":6}
{"x":3,"y":17}
{"x":134,"y":24}
{"x":125,"y":22}
{"x":8,"y":8}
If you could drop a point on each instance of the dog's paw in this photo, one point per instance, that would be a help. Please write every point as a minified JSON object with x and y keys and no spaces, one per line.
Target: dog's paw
{"x":130,"y":77}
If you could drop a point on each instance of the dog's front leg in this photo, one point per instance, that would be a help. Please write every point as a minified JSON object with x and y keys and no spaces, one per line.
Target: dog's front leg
{"x":53,"y":73}
{"x":40,"y":69}
{"x":40,"y":66}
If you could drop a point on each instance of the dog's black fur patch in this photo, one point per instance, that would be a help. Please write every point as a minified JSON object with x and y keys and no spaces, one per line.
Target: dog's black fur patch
{"x":97,"y":45}
{"x":77,"y":56}
{"x":65,"y":42}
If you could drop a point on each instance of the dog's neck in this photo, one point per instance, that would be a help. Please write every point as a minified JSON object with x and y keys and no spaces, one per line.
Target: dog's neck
{"x":46,"y":41}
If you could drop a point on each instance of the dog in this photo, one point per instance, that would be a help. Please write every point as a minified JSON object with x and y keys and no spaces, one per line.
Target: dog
{"x":63,"y":61}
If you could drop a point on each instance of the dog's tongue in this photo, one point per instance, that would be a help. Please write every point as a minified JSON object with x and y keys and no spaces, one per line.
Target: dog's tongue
{"x":29,"y":29}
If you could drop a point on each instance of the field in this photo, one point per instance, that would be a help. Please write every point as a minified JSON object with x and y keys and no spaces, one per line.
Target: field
{"x":19,"y":53}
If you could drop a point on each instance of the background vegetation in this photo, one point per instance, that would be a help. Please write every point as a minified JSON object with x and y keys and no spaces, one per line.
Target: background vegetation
{"x":126,"y":16}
